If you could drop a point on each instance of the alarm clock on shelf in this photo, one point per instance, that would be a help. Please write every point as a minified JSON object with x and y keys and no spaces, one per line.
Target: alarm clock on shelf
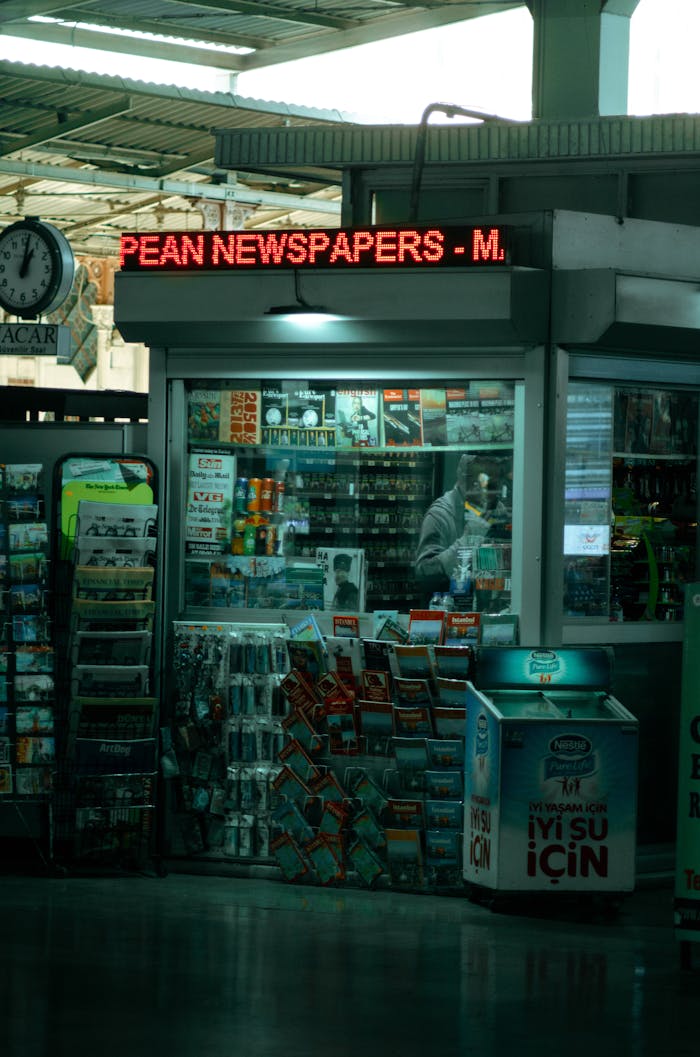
{"x":36,"y":268}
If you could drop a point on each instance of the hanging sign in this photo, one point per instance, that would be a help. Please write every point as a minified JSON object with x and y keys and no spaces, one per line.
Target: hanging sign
{"x":332,"y":248}
{"x":34,"y":339}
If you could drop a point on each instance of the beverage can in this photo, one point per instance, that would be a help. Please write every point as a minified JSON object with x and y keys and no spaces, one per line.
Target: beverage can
{"x":267,"y":493}
{"x":279,"y":496}
{"x":253,"y":494}
{"x":240,"y":495}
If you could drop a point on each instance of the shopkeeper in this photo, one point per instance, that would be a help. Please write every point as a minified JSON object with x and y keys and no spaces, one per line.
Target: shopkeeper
{"x":469,"y":511}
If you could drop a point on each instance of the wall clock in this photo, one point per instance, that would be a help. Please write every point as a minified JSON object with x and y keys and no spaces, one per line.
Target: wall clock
{"x":36,"y":268}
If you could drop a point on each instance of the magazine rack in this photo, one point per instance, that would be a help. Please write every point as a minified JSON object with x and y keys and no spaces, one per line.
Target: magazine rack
{"x":27,"y":689}
{"x":106,"y":542}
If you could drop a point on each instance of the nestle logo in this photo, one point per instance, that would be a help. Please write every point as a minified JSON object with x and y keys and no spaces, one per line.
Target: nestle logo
{"x":570,"y":745}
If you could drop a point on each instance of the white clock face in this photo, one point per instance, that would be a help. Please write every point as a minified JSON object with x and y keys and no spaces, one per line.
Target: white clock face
{"x":27,"y":269}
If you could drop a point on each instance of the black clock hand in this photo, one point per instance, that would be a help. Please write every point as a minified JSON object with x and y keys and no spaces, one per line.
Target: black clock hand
{"x":28,"y":254}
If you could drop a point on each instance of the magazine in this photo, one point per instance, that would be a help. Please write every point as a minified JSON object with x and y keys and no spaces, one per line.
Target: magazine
{"x":433,"y":417}
{"x":412,"y":721}
{"x":426,"y":626}
{"x":357,"y":418}
{"x":401,"y":417}
{"x":343,"y":578}
{"x":209,"y":508}
{"x":239,"y":416}
{"x":345,"y":658}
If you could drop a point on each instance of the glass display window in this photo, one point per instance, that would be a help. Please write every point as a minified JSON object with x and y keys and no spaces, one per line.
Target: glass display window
{"x":630,"y":507}
{"x":349,"y":497}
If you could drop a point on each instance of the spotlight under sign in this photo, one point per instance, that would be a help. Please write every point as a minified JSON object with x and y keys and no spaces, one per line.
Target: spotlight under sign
{"x":331,"y":248}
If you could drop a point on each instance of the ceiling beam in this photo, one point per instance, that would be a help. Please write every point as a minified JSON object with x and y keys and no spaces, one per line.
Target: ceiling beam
{"x":18,"y":10}
{"x":104,"y":40}
{"x":284,"y":14}
{"x":378,"y":29}
{"x":128,"y":182}
{"x":167,"y":27}
{"x":56,"y":128}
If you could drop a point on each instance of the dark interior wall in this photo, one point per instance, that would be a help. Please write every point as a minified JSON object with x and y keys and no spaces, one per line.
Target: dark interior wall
{"x":647,"y":681}
{"x":665,"y":195}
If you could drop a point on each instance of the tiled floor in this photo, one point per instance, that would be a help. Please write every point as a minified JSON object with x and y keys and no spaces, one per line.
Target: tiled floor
{"x":189,"y":966}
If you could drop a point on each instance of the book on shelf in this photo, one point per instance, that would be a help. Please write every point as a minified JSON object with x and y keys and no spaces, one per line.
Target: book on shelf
{"x":289,"y":856}
{"x":296,"y":759}
{"x":411,"y":757}
{"x":377,"y":654}
{"x":450,"y":722}
{"x":443,"y":848}
{"x":331,"y":688}
{"x":413,"y":661}
{"x":412,"y":721}
{"x":298,"y":689}
{"x":306,"y":629}
{"x":453,"y":662}
{"x":346,"y":625}
{"x":308,"y":656}
{"x":391,"y":630}
{"x":452,"y":693}
{"x":426,"y":626}
{"x":462,"y":629}
{"x":296,"y":724}
{"x":365,"y":863}
{"x":325,"y":854}
{"x":404,"y":812}
{"x":345,"y":658}
{"x":342,"y":727}
{"x":412,"y":692}
{"x":376,"y":686}
{"x":445,"y":752}
{"x":444,"y":814}
{"x":444,"y":785}
{"x":499,"y":629}
{"x":376,"y":725}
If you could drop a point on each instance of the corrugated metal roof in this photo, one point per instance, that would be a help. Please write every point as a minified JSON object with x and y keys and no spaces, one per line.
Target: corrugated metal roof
{"x":56,"y":119}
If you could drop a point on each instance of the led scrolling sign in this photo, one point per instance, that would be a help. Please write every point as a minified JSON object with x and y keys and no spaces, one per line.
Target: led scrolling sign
{"x":334,"y":248}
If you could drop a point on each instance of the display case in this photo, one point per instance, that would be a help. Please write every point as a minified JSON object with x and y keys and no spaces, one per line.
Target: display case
{"x":630,"y":535}
{"x":288,"y":482}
